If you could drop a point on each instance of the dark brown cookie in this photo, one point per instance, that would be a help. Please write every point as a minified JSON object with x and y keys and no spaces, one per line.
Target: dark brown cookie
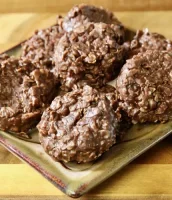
{"x":90,"y":53}
{"x":144,"y":40}
{"x":78,"y":126}
{"x":145,"y":86}
{"x":111,"y":95}
{"x":40,"y":47}
{"x":83,"y":13}
{"x":24,"y":93}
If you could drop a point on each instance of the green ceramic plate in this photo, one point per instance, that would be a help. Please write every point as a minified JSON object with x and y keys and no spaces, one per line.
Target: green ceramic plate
{"x":77,"y":179}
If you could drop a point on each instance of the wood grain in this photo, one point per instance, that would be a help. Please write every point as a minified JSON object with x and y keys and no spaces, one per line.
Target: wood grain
{"x":135,"y":181}
{"x":63,"y":6}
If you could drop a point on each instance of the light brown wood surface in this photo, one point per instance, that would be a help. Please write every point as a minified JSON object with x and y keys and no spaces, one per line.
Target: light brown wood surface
{"x":56,"y":6}
{"x":148,"y":176}
{"x":143,"y":182}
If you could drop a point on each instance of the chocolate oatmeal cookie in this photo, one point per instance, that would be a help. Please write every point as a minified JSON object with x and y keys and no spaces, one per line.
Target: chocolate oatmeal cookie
{"x":144,"y":40}
{"x":145,"y":86}
{"x":78,"y":126}
{"x":90,"y":53}
{"x":24,"y":93}
{"x":40,"y":47}
{"x":82,"y":14}
{"x":108,"y":90}
{"x":111,"y":95}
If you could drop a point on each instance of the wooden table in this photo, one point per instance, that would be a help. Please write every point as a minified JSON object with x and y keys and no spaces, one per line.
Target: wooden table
{"x":149,"y":177}
{"x":55,"y":6}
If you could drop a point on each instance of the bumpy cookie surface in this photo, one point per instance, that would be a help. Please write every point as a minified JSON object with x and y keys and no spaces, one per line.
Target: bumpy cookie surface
{"x":40,"y":47}
{"x":78,"y":126}
{"x":82,"y":14}
{"x":24,"y":93}
{"x":90,"y":53}
{"x":144,"y":86}
{"x":144,"y":40}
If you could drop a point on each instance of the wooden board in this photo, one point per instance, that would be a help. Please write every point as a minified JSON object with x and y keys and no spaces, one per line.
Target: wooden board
{"x":150,"y":175}
{"x":63,"y":6}
{"x":134,"y":182}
